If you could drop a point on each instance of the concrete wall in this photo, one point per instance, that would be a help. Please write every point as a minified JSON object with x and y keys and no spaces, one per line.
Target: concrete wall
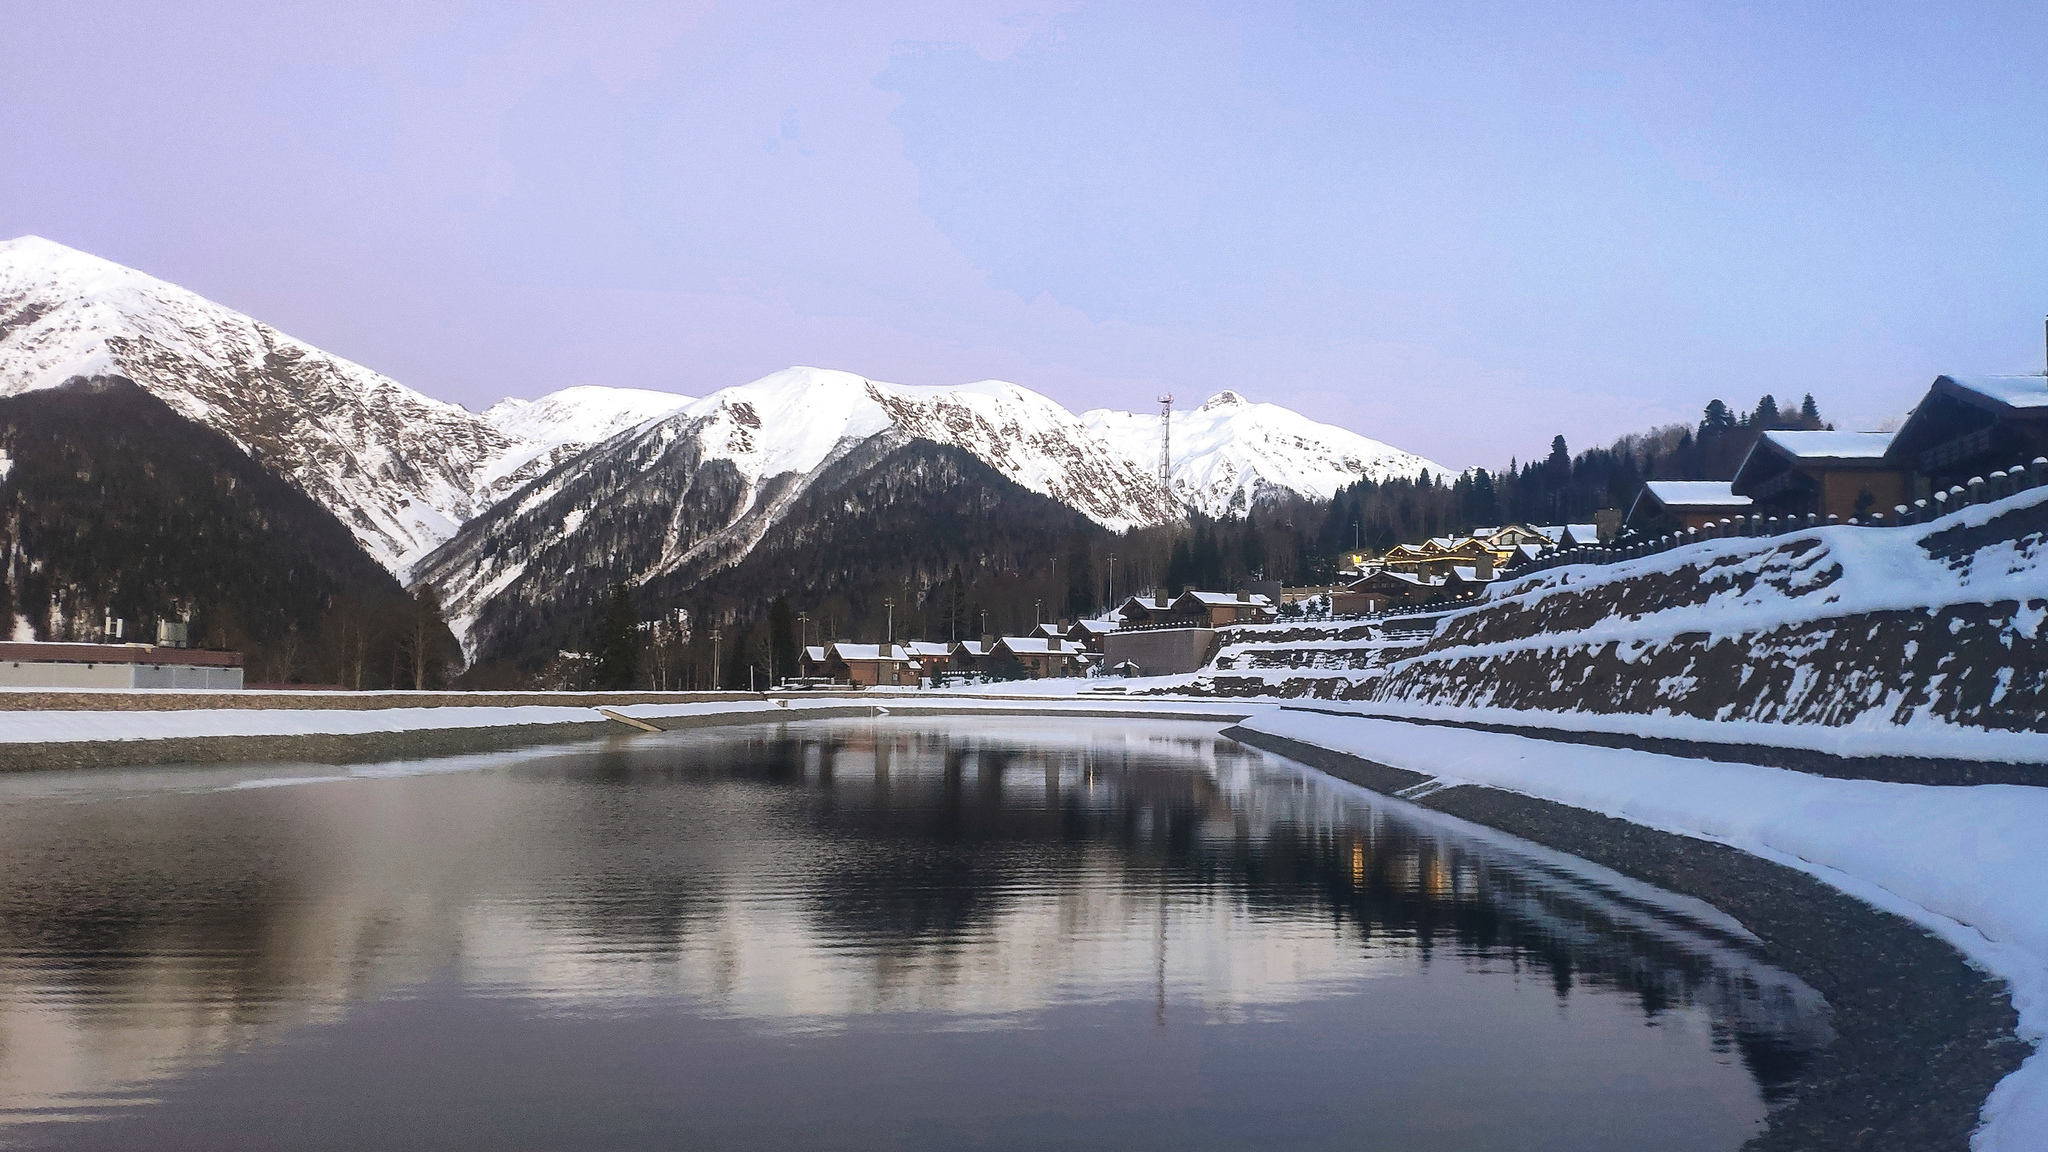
{"x":115,"y":675}
{"x":1160,"y":652}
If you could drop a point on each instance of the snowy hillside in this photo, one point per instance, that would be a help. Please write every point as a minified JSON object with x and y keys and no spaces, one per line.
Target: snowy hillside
{"x":1230,"y":453}
{"x":398,"y":468}
{"x":1897,"y":636}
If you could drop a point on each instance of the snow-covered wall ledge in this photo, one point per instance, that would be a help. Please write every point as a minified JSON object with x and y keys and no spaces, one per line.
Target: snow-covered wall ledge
{"x":1968,"y":864}
{"x":1867,"y":738}
{"x":1935,"y":626}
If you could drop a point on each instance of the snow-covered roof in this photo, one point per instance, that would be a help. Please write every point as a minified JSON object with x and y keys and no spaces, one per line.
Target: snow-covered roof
{"x":870,"y":652}
{"x":1259,"y":600}
{"x":2029,"y":391}
{"x":1552,"y":532}
{"x":1831,"y":445}
{"x":816,"y":653}
{"x":1105,"y":624}
{"x":973,"y":648}
{"x":1689,"y":494}
{"x":1396,"y":574}
{"x":926,"y":648}
{"x":1587,"y":533}
{"x":1033,"y":646}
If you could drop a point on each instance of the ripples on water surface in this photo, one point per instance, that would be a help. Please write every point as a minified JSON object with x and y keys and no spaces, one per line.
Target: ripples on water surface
{"x":849,"y":934}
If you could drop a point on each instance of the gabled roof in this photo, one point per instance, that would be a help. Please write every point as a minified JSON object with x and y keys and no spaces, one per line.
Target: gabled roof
{"x":1777,"y":452}
{"x":1552,"y":532}
{"x":817,"y":653}
{"x":1843,"y":446}
{"x":1385,"y":574}
{"x":972,"y":648}
{"x":2029,"y":391}
{"x":2020,"y":399}
{"x":1585,"y":533}
{"x":1690,"y":494}
{"x":1096,"y":627}
{"x":1033,"y":646}
{"x":869,"y":652}
{"x":926,"y":648}
{"x":1257,"y":600}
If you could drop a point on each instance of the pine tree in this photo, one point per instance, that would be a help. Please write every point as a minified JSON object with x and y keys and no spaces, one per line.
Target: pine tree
{"x":1809,"y":412}
{"x":618,"y":643}
{"x":1766,"y":414}
{"x":782,"y":641}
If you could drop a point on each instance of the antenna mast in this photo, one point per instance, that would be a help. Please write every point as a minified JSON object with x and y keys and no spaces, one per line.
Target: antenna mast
{"x":1166,"y":449}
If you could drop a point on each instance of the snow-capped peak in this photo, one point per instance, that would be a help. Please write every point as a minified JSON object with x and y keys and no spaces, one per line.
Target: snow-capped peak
{"x":542,"y":433}
{"x":1231,"y":453}
{"x":397,"y":467}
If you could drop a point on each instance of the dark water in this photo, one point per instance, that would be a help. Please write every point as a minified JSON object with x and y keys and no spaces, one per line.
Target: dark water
{"x":849,"y":935}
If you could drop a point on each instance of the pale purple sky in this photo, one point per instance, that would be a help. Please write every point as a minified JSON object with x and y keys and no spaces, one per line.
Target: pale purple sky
{"x":1461,"y":229}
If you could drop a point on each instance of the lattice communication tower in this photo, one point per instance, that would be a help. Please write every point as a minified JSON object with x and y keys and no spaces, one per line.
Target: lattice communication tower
{"x":1166,"y":449}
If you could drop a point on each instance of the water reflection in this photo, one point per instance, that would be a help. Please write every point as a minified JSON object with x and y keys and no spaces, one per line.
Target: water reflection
{"x":828,"y":878}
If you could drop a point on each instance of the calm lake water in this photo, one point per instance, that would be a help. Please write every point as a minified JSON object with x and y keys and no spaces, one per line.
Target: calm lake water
{"x":850,"y":934}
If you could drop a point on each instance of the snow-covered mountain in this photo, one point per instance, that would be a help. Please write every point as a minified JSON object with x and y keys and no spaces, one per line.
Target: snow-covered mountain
{"x":720,"y":472}
{"x":1230,"y":454}
{"x":412,"y":476}
{"x":401,"y":469}
{"x":397,"y":467}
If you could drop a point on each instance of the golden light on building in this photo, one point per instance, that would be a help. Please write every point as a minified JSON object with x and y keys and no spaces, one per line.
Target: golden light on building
{"x":1357,"y":865}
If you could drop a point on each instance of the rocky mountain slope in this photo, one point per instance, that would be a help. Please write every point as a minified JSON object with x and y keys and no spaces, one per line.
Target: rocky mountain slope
{"x":398,"y":468}
{"x":402,"y":470}
{"x":884,"y":514}
{"x":1230,"y":454}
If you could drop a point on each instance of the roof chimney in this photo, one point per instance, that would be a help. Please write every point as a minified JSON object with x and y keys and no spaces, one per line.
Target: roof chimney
{"x":1244,"y":594}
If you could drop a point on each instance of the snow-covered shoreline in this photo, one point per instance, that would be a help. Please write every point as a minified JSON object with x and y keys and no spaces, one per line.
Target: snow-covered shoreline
{"x":1968,"y":863}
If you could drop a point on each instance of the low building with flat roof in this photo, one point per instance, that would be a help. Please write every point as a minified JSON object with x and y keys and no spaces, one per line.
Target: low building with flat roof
{"x":55,"y":664}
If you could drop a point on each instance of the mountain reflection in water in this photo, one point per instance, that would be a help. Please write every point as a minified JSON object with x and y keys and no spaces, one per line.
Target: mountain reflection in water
{"x":1083,"y":934}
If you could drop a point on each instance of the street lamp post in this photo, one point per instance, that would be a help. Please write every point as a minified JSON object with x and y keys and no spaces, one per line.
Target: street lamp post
{"x":714,"y":660}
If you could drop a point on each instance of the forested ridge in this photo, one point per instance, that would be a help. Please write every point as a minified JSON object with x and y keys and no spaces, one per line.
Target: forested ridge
{"x":112,"y":503}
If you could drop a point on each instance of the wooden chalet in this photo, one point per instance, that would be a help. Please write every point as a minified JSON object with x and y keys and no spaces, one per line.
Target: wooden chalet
{"x":812,"y":664}
{"x":971,"y":655}
{"x":871,"y":665}
{"x":934,"y":658}
{"x":1970,"y":426}
{"x":1217,"y":609}
{"x":1042,"y":656}
{"x":1436,"y":556}
{"x":1799,"y":473}
{"x":1665,"y":504}
{"x":1086,"y":635}
{"x":1384,"y":589}
{"x":1141,"y":611}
